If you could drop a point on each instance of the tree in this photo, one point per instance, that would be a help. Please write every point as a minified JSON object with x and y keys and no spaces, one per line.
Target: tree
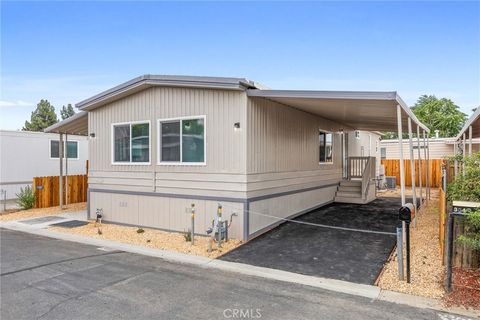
{"x":43,"y":117}
{"x":67,"y":112}
{"x":439,"y":114}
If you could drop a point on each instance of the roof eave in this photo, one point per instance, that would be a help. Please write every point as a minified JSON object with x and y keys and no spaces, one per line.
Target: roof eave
{"x":474,"y":117}
{"x":147,"y":81}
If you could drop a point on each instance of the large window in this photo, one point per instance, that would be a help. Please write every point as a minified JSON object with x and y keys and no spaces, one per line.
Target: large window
{"x":131,"y":143}
{"x":326,"y":147}
{"x":71,"y":149}
{"x":182,"y":141}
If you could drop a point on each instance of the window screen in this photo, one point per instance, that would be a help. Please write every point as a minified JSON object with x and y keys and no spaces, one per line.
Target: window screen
{"x":122,"y":143}
{"x":54,"y":149}
{"x":170,"y":140}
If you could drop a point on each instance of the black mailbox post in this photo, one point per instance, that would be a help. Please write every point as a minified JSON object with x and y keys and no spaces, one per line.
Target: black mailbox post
{"x":406,"y":214}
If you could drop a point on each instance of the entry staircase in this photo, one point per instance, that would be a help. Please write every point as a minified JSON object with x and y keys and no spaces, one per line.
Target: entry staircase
{"x":359,"y":185}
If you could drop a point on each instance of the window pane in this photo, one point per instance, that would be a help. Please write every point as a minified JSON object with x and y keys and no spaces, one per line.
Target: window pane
{"x":54,"y":151}
{"x":383,"y":153}
{"x":193,"y":139}
{"x":321,"y":137}
{"x":140,"y":142}
{"x":170,"y":132}
{"x":328,"y":147}
{"x":325,"y":147}
{"x":122,"y":143}
{"x":72,"y":149}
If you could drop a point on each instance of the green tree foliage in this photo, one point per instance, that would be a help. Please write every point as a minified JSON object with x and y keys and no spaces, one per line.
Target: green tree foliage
{"x":466,"y":187}
{"x":43,"y":117}
{"x":471,"y":238}
{"x":439,"y":114}
{"x":67,"y":111}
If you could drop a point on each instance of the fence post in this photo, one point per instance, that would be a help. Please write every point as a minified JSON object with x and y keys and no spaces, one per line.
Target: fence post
{"x":449,"y":251}
{"x":400,"y":253}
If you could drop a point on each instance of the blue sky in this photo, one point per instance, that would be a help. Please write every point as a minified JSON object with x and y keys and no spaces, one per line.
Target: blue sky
{"x":68,"y":51}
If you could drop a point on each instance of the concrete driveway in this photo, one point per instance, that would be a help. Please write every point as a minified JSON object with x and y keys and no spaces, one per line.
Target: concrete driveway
{"x":330,"y":252}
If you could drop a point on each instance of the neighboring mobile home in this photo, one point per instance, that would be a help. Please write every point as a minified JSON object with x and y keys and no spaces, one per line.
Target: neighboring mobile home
{"x":160,"y":143}
{"x":26,"y":154}
{"x":440,"y":148}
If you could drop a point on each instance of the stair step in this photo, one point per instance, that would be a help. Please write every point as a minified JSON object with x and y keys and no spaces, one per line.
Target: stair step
{"x":348,"y":194}
{"x":350,"y":200}
{"x":350,"y":183}
{"x":350,"y":189}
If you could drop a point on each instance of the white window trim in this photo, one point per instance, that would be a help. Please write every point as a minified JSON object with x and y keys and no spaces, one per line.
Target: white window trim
{"x":64,"y":149}
{"x":180,"y":163}
{"x":130,"y":163}
{"x":333,"y":153}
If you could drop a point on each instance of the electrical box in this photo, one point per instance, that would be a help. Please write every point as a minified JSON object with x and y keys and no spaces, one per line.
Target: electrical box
{"x":406,"y":212}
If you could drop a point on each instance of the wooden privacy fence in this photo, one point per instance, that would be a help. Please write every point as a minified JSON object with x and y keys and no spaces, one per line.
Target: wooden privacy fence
{"x":392,"y":168}
{"x":47,"y":190}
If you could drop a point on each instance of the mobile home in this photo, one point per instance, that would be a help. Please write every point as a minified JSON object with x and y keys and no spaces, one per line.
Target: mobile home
{"x":158,"y":144}
{"x":25,"y":154}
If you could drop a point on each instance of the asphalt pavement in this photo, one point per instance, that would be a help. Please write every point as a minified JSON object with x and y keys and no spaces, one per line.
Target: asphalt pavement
{"x":44,"y":278}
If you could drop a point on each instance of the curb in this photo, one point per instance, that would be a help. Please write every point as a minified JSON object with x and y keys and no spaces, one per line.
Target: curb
{"x":368,"y":291}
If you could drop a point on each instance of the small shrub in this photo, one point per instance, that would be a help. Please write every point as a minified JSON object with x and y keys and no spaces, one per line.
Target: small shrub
{"x":140,"y":230}
{"x":471,"y":237}
{"x":26,"y":198}
{"x":188,"y":236}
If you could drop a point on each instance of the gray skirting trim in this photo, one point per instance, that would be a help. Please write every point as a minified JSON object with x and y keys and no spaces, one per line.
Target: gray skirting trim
{"x":213,"y":198}
{"x":246,"y":203}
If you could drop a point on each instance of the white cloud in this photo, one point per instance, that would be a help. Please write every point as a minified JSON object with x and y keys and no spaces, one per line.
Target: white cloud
{"x":18,"y":103}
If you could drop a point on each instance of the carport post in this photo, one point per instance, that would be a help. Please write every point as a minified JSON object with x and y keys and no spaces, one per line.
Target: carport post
{"x":400,"y":142}
{"x":428,"y":168}
{"x":419,"y":165}
{"x":470,"y":140}
{"x":402,"y":169}
{"x":412,"y":166}
{"x":66,"y":169}
{"x":455,"y":162}
{"x":60,"y":178}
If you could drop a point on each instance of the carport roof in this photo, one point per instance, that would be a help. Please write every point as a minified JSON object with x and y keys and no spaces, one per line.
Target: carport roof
{"x":76,"y":124}
{"x":473,"y":121}
{"x":360,"y":110}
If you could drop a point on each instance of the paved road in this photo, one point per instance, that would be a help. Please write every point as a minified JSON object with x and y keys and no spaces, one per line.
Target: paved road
{"x":43,"y":278}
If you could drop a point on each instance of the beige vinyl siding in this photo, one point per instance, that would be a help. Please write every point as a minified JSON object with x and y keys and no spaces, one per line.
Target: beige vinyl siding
{"x":164,"y":212}
{"x":438,"y":150}
{"x":263,"y":213}
{"x":282,"y":149}
{"x":225,"y":147}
